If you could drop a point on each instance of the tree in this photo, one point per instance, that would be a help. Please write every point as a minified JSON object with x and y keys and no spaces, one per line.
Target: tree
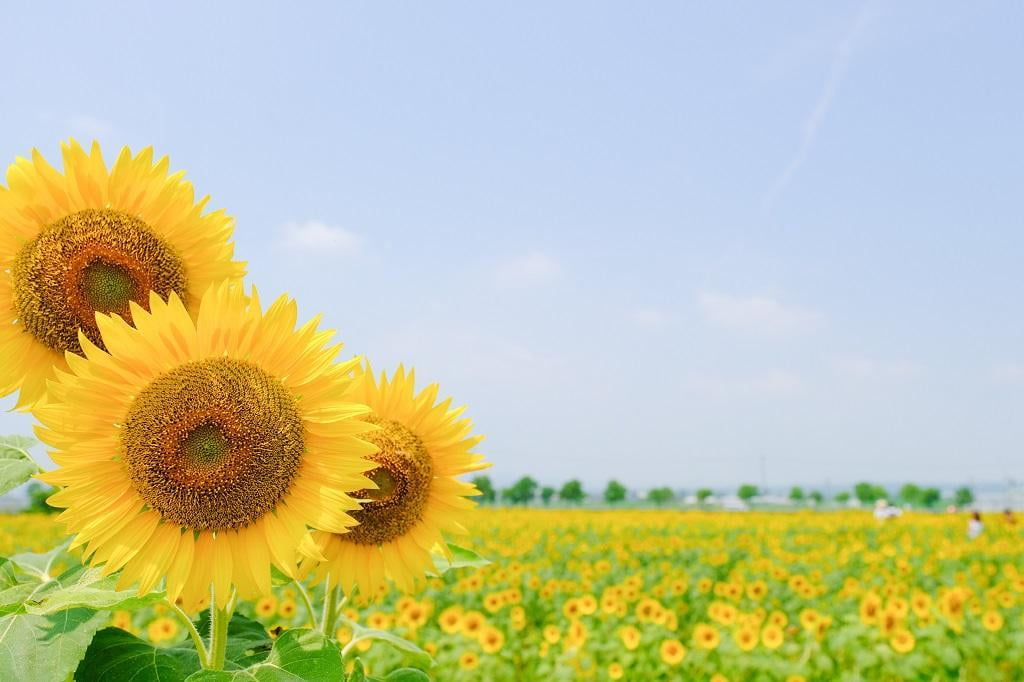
{"x":522,"y":491}
{"x":796,"y":494}
{"x":703,"y":494}
{"x":747,"y":492}
{"x":546,"y":493}
{"x":572,"y":492}
{"x":483,"y":484}
{"x":867,"y":493}
{"x":963,"y":496}
{"x":37,"y":495}
{"x":614,"y":492}
{"x":816,"y":497}
{"x":842,"y":497}
{"x":660,"y":496}
{"x":930,"y":497}
{"x":911,"y":494}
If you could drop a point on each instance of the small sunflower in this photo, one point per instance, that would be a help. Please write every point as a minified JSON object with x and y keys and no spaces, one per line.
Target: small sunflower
{"x":201,"y":450}
{"x":92,"y":239}
{"x":424,"y":445}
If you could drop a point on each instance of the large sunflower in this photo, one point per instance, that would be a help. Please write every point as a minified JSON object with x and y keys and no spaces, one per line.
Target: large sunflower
{"x":201,"y":450}
{"x":93,"y":240}
{"x":424,"y":445}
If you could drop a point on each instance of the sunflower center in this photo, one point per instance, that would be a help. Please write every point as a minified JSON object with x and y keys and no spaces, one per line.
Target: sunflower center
{"x":95,"y":260}
{"x":107,"y":287}
{"x":213,"y":444}
{"x":403,"y":476}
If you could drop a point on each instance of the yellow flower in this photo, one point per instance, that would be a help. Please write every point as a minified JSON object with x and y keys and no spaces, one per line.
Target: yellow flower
{"x":122,"y":620}
{"x":266,"y":606}
{"x":93,"y":240}
{"x":706,"y":636}
{"x":719,"y":677}
{"x":902,"y":641}
{"x":746,"y":638}
{"x":472,"y":623}
{"x":552,"y":634}
{"x":424,"y":445}
{"x":450,"y":619}
{"x":161,"y":629}
{"x":992,"y":621}
{"x":672,"y":651}
{"x":630,"y":637}
{"x":615,"y":671}
{"x":772,"y":636}
{"x":201,"y":450}
{"x":491,"y":639}
{"x":469,"y":661}
{"x":286,"y":609}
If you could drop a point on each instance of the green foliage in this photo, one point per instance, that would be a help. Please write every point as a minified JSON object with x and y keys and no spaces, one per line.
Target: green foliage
{"x":911,"y":494}
{"x":38,"y":493}
{"x":963,"y":496}
{"x":930,"y":497}
{"x":747,"y":492}
{"x":487,"y":493}
{"x":521,"y":492}
{"x":45,"y":648}
{"x":869,"y":493}
{"x":118,"y":655}
{"x":614,"y":492}
{"x":660,"y":496}
{"x":816,"y":497}
{"x":299,"y":654}
{"x":460,"y":558}
{"x":796,"y":494}
{"x":572,"y":492}
{"x":703,"y":494}
{"x":16,"y":464}
{"x":842,"y":497}
{"x":546,"y":493}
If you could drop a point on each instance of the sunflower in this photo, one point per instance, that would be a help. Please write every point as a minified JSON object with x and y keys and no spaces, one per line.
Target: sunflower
{"x":424,"y":445}
{"x":93,"y":239}
{"x":672,"y":651}
{"x":200,"y":451}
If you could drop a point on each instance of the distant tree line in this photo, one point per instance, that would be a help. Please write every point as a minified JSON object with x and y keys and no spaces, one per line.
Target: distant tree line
{"x":527,"y":490}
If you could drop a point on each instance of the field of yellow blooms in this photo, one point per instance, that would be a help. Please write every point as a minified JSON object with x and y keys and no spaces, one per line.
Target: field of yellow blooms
{"x":664,"y":595}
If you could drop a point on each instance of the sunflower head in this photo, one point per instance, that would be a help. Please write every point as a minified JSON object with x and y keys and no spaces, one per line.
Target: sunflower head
{"x":423,"y":446}
{"x":203,"y":450}
{"x":94,"y":240}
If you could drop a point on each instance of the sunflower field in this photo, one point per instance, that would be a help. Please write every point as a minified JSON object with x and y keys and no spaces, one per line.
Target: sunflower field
{"x":663,"y":595}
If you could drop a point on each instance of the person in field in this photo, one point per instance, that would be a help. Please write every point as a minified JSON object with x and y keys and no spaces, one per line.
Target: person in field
{"x":975,"y":527}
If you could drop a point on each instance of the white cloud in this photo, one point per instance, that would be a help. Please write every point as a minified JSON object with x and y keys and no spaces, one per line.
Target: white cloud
{"x":756,"y":314}
{"x":534,"y":269}
{"x":650,"y":316}
{"x":773,"y":383}
{"x":864,"y":368}
{"x":316,"y":237}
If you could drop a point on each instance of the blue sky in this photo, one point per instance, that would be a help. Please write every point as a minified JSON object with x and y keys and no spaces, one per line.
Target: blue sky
{"x":660,"y":242}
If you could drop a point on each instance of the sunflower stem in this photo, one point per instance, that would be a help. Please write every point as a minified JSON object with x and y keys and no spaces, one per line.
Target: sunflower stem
{"x":197,"y":639}
{"x":331,"y":609}
{"x":309,"y":604}
{"x":219,"y":619}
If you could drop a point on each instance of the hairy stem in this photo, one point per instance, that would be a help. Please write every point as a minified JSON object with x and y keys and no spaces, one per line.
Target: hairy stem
{"x":197,"y":639}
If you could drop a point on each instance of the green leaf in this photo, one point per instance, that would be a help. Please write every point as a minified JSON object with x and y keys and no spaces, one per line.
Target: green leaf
{"x":46,"y":648}
{"x":416,"y":656}
{"x":16,"y":465}
{"x":461,"y":558}
{"x":296,"y":655}
{"x":86,"y":587}
{"x":248,"y":643}
{"x":358,"y":674}
{"x":116,"y":655}
{"x":40,"y":566}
